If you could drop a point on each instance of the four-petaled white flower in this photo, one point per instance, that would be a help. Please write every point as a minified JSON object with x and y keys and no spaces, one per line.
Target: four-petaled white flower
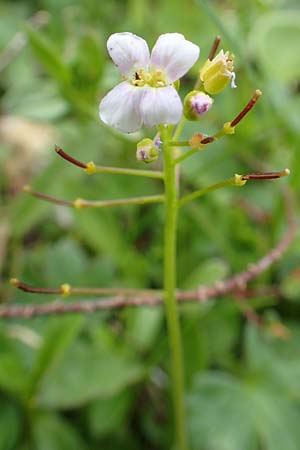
{"x":147,"y":95}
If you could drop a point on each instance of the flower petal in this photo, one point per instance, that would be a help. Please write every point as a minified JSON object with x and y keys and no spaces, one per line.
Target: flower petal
{"x":161,"y":105}
{"x":128,"y":51}
{"x":174,"y":54}
{"x":120,"y":108}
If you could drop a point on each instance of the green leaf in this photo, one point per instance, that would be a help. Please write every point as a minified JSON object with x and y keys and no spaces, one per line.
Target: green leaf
{"x":220,"y":327}
{"x":143,"y":326}
{"x":72,"y":262}
{"x":49,"y":56}
{"x":59,"y":335}
{"x":52,"y":432}
{"x":108,"y":414}
{"x":230,"y":414}
{"x":9,"y":425}
{"x":290,"y":286}
{"x":276,"y":360}
{"x":208,"y":272}
{"x":87,"y":372}
{"x":274,"y":40}
{"x":13,"y":375}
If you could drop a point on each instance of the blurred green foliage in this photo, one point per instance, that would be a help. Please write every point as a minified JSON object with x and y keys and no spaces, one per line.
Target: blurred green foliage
{"x":101,"y":381}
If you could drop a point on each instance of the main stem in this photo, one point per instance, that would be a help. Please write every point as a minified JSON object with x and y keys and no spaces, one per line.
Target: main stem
{"x":177,"y":369}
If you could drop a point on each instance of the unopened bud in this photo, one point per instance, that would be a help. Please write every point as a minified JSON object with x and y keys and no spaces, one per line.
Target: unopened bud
{"x":196,"y":103}
{"x":147,"y":151}
{"x":217,"y":73}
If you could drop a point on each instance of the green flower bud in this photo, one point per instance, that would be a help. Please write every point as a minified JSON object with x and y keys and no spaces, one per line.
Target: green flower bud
{"x":217,"y":73}
{"x":196,"y":103}
{"x":147,"y":151}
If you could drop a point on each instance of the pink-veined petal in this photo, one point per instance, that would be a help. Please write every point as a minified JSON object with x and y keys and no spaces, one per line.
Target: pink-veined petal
{"x":120,"y":108}
{"x":161,"y":105}
{"x":174,"y":54}
{"x":128,"y":51}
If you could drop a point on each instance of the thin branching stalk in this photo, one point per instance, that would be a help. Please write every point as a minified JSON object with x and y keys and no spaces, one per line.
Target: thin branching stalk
{"x":91,"y":168}
{"x":238,"y":283}
{"x":81,"y":203}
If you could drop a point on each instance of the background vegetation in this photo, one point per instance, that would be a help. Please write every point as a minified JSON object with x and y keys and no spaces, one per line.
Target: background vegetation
{"x":101,"y":381}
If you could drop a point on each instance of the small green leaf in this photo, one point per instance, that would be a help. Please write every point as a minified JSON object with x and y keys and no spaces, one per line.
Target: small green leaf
{"x":275,"y":40}
{"x":87,"y":372}
{"x":208,"y":272}
{"x":52,"y":432}
{"x":108,"y":414}
{"x":143,"y":327}
{"x":9,"y":425}
{"x":49,"y":56}
{"x":60,"y":333}
{"x":230,"y":414}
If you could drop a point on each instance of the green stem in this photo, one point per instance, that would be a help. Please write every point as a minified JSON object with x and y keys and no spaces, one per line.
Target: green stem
{"x":234,"y":181}
{"x":179,"y":144}
{"x":179,"y":128}
{"x":177,"y":368}
{"x":80,"y":203}
{"x":186,"y":155}
{"x":124,"y":171}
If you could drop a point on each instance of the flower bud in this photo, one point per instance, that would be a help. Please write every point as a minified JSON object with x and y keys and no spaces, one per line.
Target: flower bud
{"x":196,"y":103}
{"x":147,"y":151}
{"x":217,"y":73}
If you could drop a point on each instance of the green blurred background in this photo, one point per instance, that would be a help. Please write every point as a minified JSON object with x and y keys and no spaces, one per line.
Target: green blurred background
{"x":101,"y":381}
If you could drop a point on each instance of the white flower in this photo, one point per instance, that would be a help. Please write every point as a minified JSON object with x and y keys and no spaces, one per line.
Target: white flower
{"x":146,"y":96}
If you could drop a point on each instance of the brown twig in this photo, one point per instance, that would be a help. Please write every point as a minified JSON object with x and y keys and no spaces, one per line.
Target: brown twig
{"x":69,"y":158}
{"x":266,"y":175}
{"x":248,"y":107}
{"x":202,"y":294}
{"x":48,"y":198}
{"x":214,"y":48}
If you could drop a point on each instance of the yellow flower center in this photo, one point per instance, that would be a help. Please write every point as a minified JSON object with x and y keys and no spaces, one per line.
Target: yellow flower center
{"x":152,"y":77}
